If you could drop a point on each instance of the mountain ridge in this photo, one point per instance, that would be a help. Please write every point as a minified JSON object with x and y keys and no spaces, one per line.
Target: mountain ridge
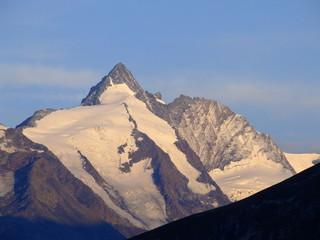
{"x":217,"y":135}
{"x":142,"y":161}
{"x":110,"y":137}
{"x":118,"y":75}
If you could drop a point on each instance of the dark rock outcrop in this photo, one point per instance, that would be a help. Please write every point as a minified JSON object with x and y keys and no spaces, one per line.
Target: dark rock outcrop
{"x":31,"y":121}
{"x":118,"y":75}
{"x":180,"y":200}
{"x":218,"y":135}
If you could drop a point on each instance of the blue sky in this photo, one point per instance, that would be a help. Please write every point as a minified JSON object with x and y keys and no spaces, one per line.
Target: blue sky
{"x":260,"y":58}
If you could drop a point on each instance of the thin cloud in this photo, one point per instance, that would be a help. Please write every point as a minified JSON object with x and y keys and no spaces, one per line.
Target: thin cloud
{"x":48,"y":96}
{"x":315,"y":148}
{"x":32,"y":52}
{"x":253,"y":90}
{"x":282,"y":98}
{"x":22,"y":75}
{"x":303,"y":39}
{"x":271,"y":94}
{"x":300,"y":147}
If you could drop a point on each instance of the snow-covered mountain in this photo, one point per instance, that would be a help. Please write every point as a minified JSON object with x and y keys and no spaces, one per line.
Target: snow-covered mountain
{"x":107,"y":141}
{"x":127,"y":159}
{"x":130,"y":161}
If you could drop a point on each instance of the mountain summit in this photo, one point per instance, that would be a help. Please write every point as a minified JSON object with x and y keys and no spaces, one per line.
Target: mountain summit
{"x":128,"y":156}
{"x":118,"y":75}
{"x":127,"y":159}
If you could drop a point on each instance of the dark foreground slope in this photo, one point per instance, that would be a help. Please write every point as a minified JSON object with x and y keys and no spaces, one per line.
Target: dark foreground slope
{"x":20,"y":228}
{"x":288,"y":210}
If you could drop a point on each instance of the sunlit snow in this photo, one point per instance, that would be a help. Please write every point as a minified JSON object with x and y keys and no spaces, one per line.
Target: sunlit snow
{"x":97,"y":132}
{"x":159,"y":131}
{"x":2,"y":130}
{"x":160,"y":101}
{"x":246,"y":177}
{"x":301,"y":162}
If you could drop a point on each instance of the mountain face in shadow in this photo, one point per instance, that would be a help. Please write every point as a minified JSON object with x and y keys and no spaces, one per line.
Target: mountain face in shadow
{"x":19,"y":228}
{"x":288,"y":210}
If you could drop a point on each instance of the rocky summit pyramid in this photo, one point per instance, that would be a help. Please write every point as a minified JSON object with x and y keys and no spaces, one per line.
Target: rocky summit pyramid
{"x":126,"y":162}
{"x":118,"y":75}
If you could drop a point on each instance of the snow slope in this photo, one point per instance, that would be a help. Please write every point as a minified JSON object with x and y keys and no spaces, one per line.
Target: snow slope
{"x":248,"y":176}
{"x":158,"y":130}
{"x":97,"y":132}
{"x":301,"y":162}
{"x":242,"y":179}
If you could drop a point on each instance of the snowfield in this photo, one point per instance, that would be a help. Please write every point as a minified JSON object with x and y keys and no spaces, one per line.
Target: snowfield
{"x":301,"y":162}
{"x":97,"y":132}
{"x":244,"y":178}
{"x":101,"y":135}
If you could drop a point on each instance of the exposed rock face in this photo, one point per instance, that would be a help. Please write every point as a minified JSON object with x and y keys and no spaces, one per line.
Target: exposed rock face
{"x":158,"y":95}
{"x":31,"y":121}
{"x":121,"y":75}
{"x":118,"y":75}
{"x":289,"y":210}
{"x":180,"y":200}
{"x":218,"y":135}
{"x":228,"y":146}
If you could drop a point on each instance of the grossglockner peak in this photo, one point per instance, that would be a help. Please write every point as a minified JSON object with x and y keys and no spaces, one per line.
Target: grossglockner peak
{"x":125,"y":162}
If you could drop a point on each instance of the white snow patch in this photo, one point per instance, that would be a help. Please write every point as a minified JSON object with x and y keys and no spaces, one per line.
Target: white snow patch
{"x":140,"y":139}
{"x":160,"y":101}
{"x":5,"y":145}
{"x":301,"y":162}
{"x":7,"y":149}
{"x":2,"y":127}
{"x":246,"y":177}
{"x":2,"y":130}
{"x":6,"y":182}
